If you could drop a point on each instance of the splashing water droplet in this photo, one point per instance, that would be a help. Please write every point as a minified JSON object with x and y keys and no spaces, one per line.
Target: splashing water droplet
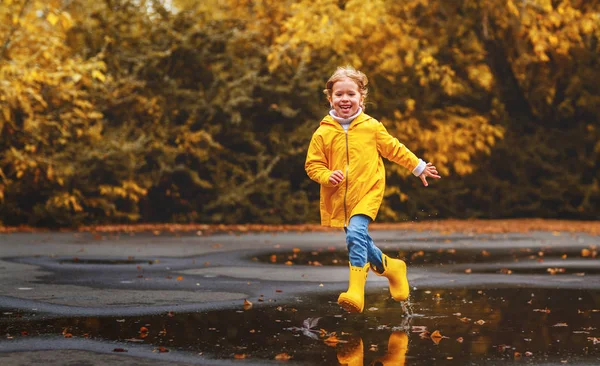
{"x":407,"y":307}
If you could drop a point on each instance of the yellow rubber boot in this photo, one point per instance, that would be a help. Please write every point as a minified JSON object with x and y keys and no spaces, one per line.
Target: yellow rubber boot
{"x":351,"y":353}
{"x":396,"y":352}
{"x":395,"y":271}
{"x":353,"y":300}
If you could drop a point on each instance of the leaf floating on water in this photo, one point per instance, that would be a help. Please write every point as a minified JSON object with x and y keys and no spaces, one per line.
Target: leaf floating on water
{"x":310,"y":323}
{"x":480,"y":322}
{"x":239,"y":356}
{"x":554,"y":271}
{"x":436,"y":337}
{"x":425,"y":335}
{"x":594,"y":339}
{"x":247,"y":304}
{"x":283,"y":357}
{"x":309,"y":333}
{"x":459,"y":339}
{"x":332,"y":341}
{"x":546,"y":310}
{"x":419,"y":328}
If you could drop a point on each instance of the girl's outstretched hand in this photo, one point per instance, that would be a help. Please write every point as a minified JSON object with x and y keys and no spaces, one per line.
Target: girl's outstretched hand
{"x":430,"y":171}
{"x":336,"y":177}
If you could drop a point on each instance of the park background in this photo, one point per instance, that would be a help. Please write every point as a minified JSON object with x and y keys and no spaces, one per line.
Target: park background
{"x":133,"y":111}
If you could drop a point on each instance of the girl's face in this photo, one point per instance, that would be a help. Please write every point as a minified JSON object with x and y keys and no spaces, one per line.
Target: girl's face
{"x":345,"y":98}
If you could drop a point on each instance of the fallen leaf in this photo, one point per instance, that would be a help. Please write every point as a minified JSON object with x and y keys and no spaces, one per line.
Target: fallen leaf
{"x":418,"y":328}
{"x":560,"y":325}
{"x":283,"y":357}
{"x":480,"y":322}
{"x":247,"y":304}
{"x":119,"y":350}
{"x":143,"y":330}
{"x":436,"y":336}
{"x":310,"y":323}
{"x":180,"y":278}
{"x":546,"y":310}
{"x":239,"y":356}
{"x":332,"y":341}
{"x":459,"y":339}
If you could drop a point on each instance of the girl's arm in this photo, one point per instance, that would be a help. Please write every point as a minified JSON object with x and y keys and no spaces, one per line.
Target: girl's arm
{"x":390,"y":148}
{"x":316,"y":164}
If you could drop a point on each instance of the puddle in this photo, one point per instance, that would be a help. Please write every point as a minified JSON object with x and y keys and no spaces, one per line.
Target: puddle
{"x":442,"y":256}
{"x":549,"y":270}
{"x":474,"y":326}
{"x":104,"y":261}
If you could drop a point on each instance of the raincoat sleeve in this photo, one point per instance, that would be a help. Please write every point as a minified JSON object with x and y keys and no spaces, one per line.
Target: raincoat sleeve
{"x":316,"y":165}
{"x":390,"y":148}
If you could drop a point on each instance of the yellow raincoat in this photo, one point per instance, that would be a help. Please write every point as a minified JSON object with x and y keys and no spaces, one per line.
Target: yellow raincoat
{"x":357,"y":153}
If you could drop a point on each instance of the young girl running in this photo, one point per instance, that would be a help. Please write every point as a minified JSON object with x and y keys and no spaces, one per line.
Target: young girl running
{"x":344,"y":157}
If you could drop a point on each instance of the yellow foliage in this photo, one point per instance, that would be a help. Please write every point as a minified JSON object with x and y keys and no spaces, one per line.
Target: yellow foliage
{"x":128,"y":190}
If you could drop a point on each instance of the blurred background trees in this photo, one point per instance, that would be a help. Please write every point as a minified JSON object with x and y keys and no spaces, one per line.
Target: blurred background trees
{"x":117,"y":111}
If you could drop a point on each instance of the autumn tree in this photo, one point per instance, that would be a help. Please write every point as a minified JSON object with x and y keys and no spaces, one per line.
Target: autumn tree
{"x":201,"y":111}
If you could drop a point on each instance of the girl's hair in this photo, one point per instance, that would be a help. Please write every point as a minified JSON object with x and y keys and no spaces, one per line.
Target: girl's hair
{"x":350,"y":72}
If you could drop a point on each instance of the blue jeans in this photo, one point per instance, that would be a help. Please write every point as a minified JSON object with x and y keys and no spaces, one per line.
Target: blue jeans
{"x":361,"y":248}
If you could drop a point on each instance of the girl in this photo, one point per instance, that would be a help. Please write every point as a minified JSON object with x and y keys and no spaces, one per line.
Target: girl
{"x":344,"y":157}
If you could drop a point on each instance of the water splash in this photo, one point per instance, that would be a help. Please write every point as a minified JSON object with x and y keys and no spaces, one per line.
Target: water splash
{"x":407,"y":308}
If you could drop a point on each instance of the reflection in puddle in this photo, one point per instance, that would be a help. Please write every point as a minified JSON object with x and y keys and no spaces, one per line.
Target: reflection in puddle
{"x":455,"y":326}
{"x":441,"y":256}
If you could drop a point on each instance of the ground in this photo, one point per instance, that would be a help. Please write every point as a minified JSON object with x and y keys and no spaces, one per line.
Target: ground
{"x":220,"y":295}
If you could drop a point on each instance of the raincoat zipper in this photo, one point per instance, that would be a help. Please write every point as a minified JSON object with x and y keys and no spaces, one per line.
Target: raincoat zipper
{"x":346,"y":192}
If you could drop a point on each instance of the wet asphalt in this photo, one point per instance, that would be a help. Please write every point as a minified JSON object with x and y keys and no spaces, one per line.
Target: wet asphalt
{"x":62,"y":275}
